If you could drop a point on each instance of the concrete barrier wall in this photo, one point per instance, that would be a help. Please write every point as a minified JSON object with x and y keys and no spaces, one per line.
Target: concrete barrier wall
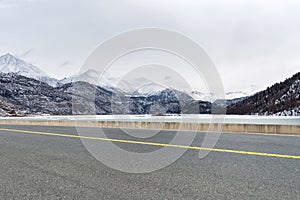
{"x":234,"y":128}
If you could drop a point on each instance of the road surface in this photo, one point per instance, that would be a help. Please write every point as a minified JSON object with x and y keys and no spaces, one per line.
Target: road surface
{"x":39,"y":162}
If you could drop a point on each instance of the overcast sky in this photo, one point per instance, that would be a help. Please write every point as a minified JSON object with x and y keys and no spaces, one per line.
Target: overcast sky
{"x":253,"y":43}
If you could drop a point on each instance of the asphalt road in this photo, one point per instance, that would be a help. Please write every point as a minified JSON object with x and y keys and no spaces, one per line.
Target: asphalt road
{"x":41,"y":166}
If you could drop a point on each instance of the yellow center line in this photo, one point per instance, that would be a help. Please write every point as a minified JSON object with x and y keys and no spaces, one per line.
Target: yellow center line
{"x":155,"y":144}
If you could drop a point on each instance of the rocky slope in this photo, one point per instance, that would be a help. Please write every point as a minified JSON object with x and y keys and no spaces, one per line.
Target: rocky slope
{"x":168,"y":101}
{"x":21,"y":95}
{"x":280,"y":99}
{"x":31,"y":96}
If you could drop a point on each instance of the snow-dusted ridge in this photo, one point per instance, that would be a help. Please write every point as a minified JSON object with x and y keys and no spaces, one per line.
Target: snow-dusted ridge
{"x":12,"y":64}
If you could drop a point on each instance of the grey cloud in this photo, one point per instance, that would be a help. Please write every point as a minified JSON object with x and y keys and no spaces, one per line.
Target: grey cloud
{"x":246,"y":39}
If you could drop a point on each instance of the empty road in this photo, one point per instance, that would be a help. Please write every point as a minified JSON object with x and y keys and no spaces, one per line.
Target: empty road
{"x":40,"y":162}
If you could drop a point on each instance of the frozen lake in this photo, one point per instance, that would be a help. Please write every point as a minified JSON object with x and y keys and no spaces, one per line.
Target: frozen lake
{"x":228,"y":119}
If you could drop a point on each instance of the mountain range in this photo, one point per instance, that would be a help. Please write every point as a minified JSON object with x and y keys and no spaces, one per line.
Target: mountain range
{"x":27,"y":90}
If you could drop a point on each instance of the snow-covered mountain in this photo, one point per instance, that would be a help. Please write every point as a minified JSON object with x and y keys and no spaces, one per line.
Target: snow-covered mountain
{"x":201,"y":95}
{"x":93,"y":77}
{"x":228,"y":95}
{"x":279,"y":99}
{"x":12,"y":64}
{"x":147,"y":89}
{"x":90,"y":76}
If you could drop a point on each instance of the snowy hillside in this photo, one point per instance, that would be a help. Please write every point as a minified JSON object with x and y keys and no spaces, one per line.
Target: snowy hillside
{"x":232,"y":95}
{"x":93,"y":77}
{"x":12,"y":64}
{"x":280,"y":99}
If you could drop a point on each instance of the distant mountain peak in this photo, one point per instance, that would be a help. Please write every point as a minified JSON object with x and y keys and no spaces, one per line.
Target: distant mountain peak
{"x":12,"y":64}
{"x":7,"y":56}
{"x":9,"y":59}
